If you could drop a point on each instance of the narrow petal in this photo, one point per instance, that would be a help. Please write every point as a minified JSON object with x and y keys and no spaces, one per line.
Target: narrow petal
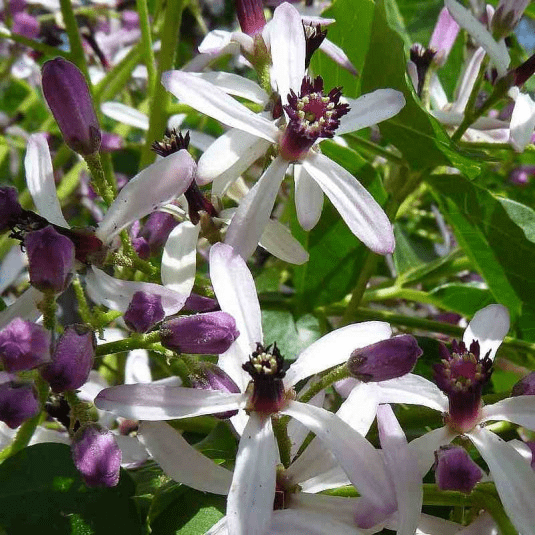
{"x":515,"y":484}
{"x":156,"y":185}
{"x":125,"y":114}
{"x":13,"y":263}
{"x":337,"y":55}
{"x":231,"y":362}
{"x":299,"y":522}
{"x":468,"y":80}
{"x":232,"y":84}
{"x":181,"y":461}
{"x":361,"y":212}
{"x":359,"y":409}
{"x":522,"y":121}
{"x":116,"y":294}
{"x":308,"y":198}
{"x":252,"y":215}
{"x":331,"y":479}
{"x":219,"y":528}
{"x":137,"y":368}
{"x":437,"y":94}
{"x":212,"y":101}
{"x":179,"y":258}
{"x":250,"y":500}
{"x":155,"y":402}
{"x":335,"y":348}
{"x":24,"y":307}
{"x":40,"y":180}
{"x":278,"y":240}
{"x":214,"y":42}
{"x":426,"y":445}
{"x":336,"y":507}
{"x":370,"y":109}
{"x":489,"y":327}
{"x":519,"y":410}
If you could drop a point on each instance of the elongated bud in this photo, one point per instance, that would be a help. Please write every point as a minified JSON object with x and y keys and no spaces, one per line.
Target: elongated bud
{"x":50,"y":259}
{"x":250,"y":16}
{"x":72,"y":359}
{"x":144,"y":311}
{"x":200,"y":303}
{"x":18,"y":401}
{"x":26,"y":25}
{"x":444,"y":35}
{"x":24,"y":345}
{"x":525,"y":387}
{"x":66,"y":92}
{"x":385,"y":360}
{"x":506,"y":16}
{"x":204,"y":334}
{"x":455,"y":470}
{"x":10,"y":208}
{"x":97,"y":456}
{"x":156,"y":230}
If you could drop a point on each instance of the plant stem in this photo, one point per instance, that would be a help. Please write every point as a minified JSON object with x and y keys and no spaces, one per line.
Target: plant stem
{"x":75,"y":42}
{"x":36,"y":45}
{"x":99,"y":181}
{"x":280,"y":430}
{"x":336,"y":374}
{"x":143,"y":341}
{"x":146,"y":43}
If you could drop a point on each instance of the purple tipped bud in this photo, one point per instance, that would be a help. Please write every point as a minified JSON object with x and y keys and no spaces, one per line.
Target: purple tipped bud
{"x":455,"y":470}
{"x":525,"y":387}
{"x":50,"y":259}
{"x":385,"y":360}
{"x":157,"y":229}
{"x":111,"y":142}
{"x":144,"y":311}
{"x":65,"y":89}
{"x":10,"y":208}
{"x":521,"y":176}
{"x":204,"y":334}
{"x":18,"y":402}
{"x":250,"y":16}
{"x":97,"y":456}
{"x":199,"y":303}
{"x":141,"y":247}
{"x":24,"y":345}
{"x":507,"y":15}
{"x":208,"y":376}
{"x":72,"y":359}
{"x":26,"y":25}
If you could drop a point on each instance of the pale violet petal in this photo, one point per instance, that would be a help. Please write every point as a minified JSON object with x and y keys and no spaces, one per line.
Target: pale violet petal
{"x":370,"y":109}
{"x":523,"y":449}
{"x":137,"y":368}
{"x":361,"y":212}
{"x":308,"y":198}
{"x":214,"y":42}
{"x":468,"y":80}
{"x":335,"y":348}
{"x":483,"y":525}
{"x":522,"y":121}
{"x":250,"y":500}
{"x":155,"y":402}
{"x":156,"y":185}
{"x":125,"y":114}
{"x":212,"y":101}
{"x":278,"y":240}
{"x":231,"y":362}
{"x":25,"y":307}
{"x":181,"y":461}
{"x":179,"y":258}
{"x":200,"y":140}
{"x":426,"y":445}
{"x":253,"y":213}
{"x":489,"y":327}
{"x":40,"y":180}
{"x":337,"y":55}
{"x":332,"y":479}
{"x":306,"y":522}
{"x":519,"y":410}
{"x":437,"y":94}
{"x":235,"y":85}
{"x":11,"y":267}
{"x":116,"y":294}
{"x":360,"y":407}
{"x":133,"y":453}
{"x":336,"y":507}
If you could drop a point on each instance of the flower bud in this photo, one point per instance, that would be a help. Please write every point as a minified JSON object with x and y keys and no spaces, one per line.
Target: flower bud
{"x":24,"y":345}
{"x":65,"y":89}
{"x":72,"y":359}
{"x":144,"y":311}
{"x":250,"y":16}
{"x":204,"y":334}
{"x":10,"y":208}
{"x":506,"y":16}
{"x":385,"y":360}
{"x":18,"y":402}
{"x":97,"y":456}
{"x":199,"y":303}
{"x":50,"y":259}
{"x":525,"y":387}
{"x":141,"y":247}
{"x":157,"y":229}
{"x":111,"y":142}
{"x":455,"y":470}
{"x":26,"y":25}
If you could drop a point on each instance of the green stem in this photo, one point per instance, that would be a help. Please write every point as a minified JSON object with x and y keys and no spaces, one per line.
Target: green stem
{"x":143,"y":341}
{"x":397,"y":292}
{"x":83,"y":307}
{"x":376,"y":150}
{"x":48,"y":307}
{"x":146,"y":43}
{"x":99,"y":180}
{"x":36,"y":45}
{"x":280,"y":430}
{"x":336,"y":374}
{"x":75,"y":42}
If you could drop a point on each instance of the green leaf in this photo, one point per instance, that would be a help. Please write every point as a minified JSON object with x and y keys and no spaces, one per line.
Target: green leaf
{"x":42,"y":492}
{"x":406,"y":255}
{"x":465,"y":299}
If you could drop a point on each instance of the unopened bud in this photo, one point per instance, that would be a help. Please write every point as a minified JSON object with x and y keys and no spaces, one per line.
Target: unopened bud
{"x":144,"y":311}
{"x":455,"y":470}
{"x":26,"y":25}
{"x":250,"y":16}
{"x":156,"y":230}
{"x":10,"y":208}
{"x":385,"y":360}
{"x":506,"y":16}
{"x":203,"y":334}
{"x":525,"y":387}
{"x":200,"y":303}
{"x":111,"y":142}
{"x":18,"y":402}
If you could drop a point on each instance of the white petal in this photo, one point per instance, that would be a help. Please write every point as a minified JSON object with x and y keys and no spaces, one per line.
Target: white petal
{"x":468,"y":80}
{"x":522,"y":121}
{"x":299,"y":522}
{"x":219,"y":528}
{"x":214,"y":41}
{"x":200,"y":140}
{"x":137,"y":368}
{"x":488,"y":326}
{"x":250,"y":500}
{"x":359,"y":409}
{"x":519,"y":409}
{"x":179,"y":258}
{"x":426,"y":445}
{"x":212,"y":101}
{"x":483,"y":525}
{"x":232,"y":84}
{"x":231,"y":362}
{"x":370,"y":109}
{"x":308,"y":198}
{"x":278,"y":240}
{"x":252,"y":215}
{"x":24,"y":307}
{"x":117,"y":293}
{"x":181,"y":461}
{"x":332,"y":479}
{"x":125,"y":114}
{"x":437,"y":94}
{"x":337,"y":55}
{"x":133,"y":453}
{"x":156,"y":402}
{"x":514,"y":482}
{"x":147,"y":191}
{"x":11,"y":267}
{"x":335,"y":507}
{"x":40,"y":180}
{"x":361,"y":212}
{"x":335,"y":348}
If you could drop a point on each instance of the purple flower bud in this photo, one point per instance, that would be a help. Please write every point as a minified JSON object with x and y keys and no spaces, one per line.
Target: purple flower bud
{"x":18,"y":402}
{"x":250,"y":16}
{"x":455,"y":470}
{"x":144,"y":311}
{"x":141,"y":247}
{"x":24,"y":345}
{"x":507,"y":15}
{"x":385,"y":360}
{"x":444,"y":35}
{"x":72,"y":359}
{"x":111,"y":142}
{"x":130,"y":19}
{"x":10,"y":208}
{"x":204,"y":334}
{"x":157,"y":229}
{"x":525,"y":387}
{"x":199,"y":303}
{"x":26,"y":25}
{"x":97,"y":456}
{"x":65,"y":89}
{"x":50,"y":259}
{"x":531,"y":446}
{"x":521,"y":176}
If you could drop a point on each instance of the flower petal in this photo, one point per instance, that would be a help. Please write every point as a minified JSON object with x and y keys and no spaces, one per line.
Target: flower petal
{"x":360,"y":407}
{"x":40,"y":180}
{"x":212,"y":101}
{"x":361,"y":212}
{"x":156,"y":402}
{"x":519,"y":409}
{"x":426,"y":445}
{"x":308,"y":198}
{"x":522,"y":121}
{"x":232,"y":84}
{"x":250,"y":500}
{"x":337,"y":55}
{"x":137,"y":368}
{"x":307,"y":522}
{"x":489,"y":327}
{"x":25,"y":307}
{"x":335,"y":348}
{"x":278,"y":240}
{"x":181,"y":461}
{"x":154,"y":186}
{"x":125,"y":114}
{"x":468,"y":80}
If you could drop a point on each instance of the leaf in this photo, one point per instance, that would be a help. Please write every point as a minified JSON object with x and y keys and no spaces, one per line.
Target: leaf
{"x":407,"y":257}
{"x":465,"y":299}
